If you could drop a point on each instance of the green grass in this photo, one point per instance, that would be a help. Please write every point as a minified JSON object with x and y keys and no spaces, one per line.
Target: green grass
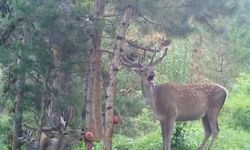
{"x":228,"y":138}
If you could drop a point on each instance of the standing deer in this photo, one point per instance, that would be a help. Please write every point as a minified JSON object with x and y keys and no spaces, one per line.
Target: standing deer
{"x":57,"y":137}
{"x":172,"y":102}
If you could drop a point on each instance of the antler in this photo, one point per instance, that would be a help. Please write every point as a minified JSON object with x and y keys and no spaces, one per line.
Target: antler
{"x":60,"y":119}
{"x":152,"y":63}
{"x":27,"y":136}
{"x":164,"y":44}
{"x":128,"y":63}
{"x":68,"y":115}
{"x":53,"y":118}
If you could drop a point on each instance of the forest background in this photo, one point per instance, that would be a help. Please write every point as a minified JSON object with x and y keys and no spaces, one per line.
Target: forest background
{"x":67,"y":52}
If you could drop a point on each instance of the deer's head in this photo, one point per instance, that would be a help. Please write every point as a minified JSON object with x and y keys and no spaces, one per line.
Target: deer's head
{"x":58,"y":136}
{"x":51,"y":140}
{"x":145,"y":71}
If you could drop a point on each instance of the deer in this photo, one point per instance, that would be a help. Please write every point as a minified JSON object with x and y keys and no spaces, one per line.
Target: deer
{"x":57,"y":136}
{"x":30,"y":142}
{"x":171,"y":102}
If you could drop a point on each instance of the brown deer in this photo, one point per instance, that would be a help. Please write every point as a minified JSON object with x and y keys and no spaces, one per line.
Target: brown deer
{"x":172,"y":102}
{"x":57,"y":137}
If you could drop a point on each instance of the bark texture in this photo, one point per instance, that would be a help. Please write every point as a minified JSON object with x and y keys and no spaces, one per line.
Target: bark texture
{"x":118,"y":48}
{"x":89,"y":99}
{"x":93,"y":101}
{"x":96,"y":44}
{"x":17,"y":131}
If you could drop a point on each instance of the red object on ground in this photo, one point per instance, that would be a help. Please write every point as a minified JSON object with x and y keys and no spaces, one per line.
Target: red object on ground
{"x":89,"y":136}
{"x":116,"y":119}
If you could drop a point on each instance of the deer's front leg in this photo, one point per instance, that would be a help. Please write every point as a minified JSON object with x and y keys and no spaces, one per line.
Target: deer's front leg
{"x":167,"y":127}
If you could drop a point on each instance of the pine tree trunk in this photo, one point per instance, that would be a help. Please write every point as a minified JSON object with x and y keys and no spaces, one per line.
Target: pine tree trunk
{"x":118,"y":44}
{"x":17,"y":132}
{"x":96,"y":44}
{"x":89,"y":98}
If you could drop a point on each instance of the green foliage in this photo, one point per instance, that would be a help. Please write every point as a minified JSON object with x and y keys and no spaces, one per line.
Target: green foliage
{"x":32,"y":40}
{"x":176,"y":66}
{"x":5,"y":8}
{"x":232,"y":139}
{"x":144,"y":133}
{"x":238,"y":106}
{"x":5,"y":131}
{"x":128,"y":104}
{"x":122,"y":142}
{"x":179,"y":137}
{"x":149,"y":141}
{"x":242,"y":116}
{"x":4,"y":123}
{"x":143,"y":123}
{"x":78,"y":146}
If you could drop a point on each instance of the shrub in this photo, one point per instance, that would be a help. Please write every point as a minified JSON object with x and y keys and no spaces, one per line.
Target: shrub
{"x":241,"y":117}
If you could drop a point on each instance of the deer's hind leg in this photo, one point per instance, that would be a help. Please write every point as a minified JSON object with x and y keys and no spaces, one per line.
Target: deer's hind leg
{"x":213,"y":121}
{"x":207,"y":132}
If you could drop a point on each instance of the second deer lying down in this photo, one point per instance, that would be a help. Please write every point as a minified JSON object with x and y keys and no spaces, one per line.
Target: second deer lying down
{"x":58,"y":137}
{"x":172,"y":102}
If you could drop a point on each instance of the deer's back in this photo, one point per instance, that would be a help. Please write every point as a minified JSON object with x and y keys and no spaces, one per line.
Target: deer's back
{"x":188,"y":101}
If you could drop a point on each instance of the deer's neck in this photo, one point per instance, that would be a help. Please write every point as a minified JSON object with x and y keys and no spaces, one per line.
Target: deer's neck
{"x":148,"y":93}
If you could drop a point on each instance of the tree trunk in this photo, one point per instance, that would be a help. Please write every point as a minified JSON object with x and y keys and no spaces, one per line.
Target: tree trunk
{"x":118,"y":44}
{"x":96,"y":44}
{"x":93,"y":100}
{"x":17,"y":131}
{"x":89,"y":98}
